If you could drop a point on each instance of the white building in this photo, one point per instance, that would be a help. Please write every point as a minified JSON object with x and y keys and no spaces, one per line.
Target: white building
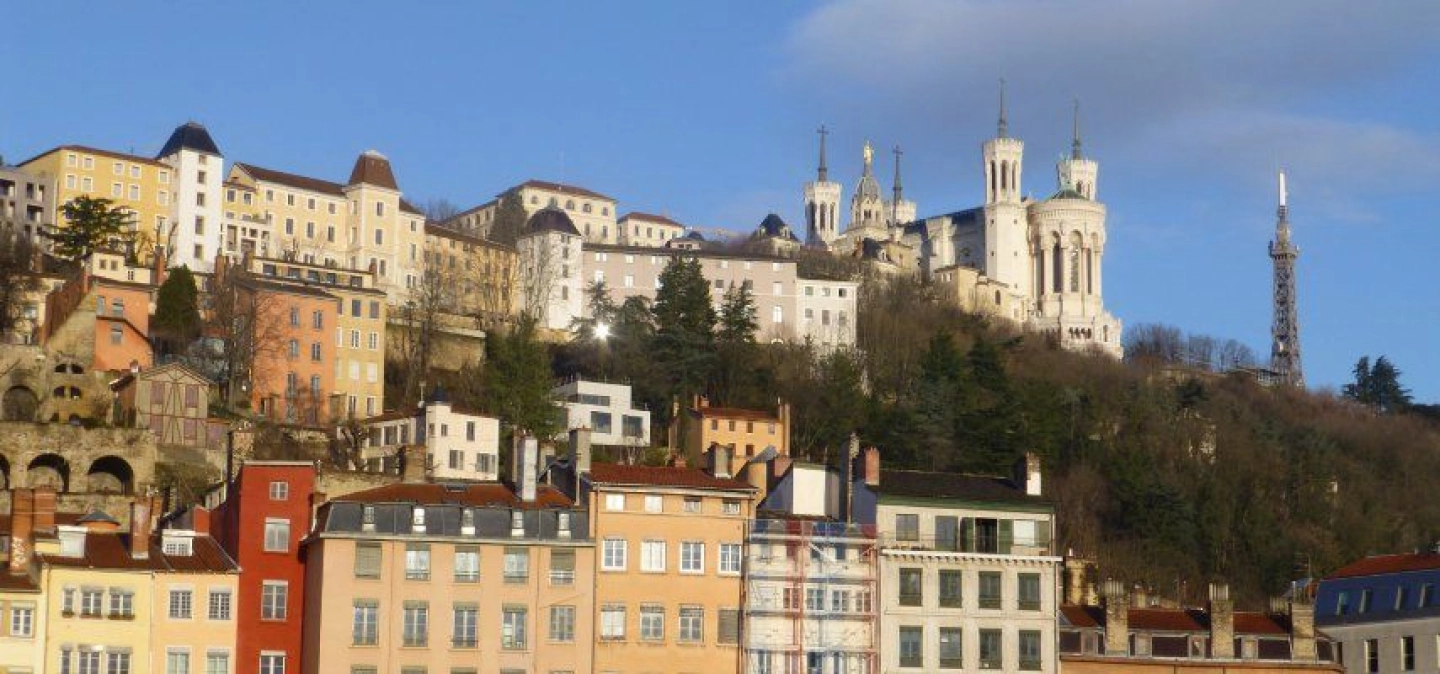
{"x":459,"y":444}
{"x":195,"y":226}
{"x":592,"y":213}
{"x":967,"y":571}
{"x":826,"y":311}
{"x":606,"y":409}
{"x":550,"y":270}
{"x":645,"y":229}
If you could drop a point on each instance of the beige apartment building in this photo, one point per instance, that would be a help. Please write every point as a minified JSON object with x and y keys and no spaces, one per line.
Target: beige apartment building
{"x":592,"y":212}
{"x":749,"y":432}
{"x":482,"y":577}
{"x":477,"y":275}
{"x":648,"y":229}
{"x":144,"y":186}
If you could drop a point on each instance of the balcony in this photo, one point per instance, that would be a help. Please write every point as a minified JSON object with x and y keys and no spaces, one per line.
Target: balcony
{"x":981,"y":545}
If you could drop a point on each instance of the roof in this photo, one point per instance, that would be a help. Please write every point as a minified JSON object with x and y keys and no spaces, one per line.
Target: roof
{"x":190,"y":136}
{"x":649,"y":217}
{"x":372,"y":168}
{"x":459,"y":494}
{"x":95,"y":150}
{"x":445,"y":231}
{"x":662,"y":476}
{"x":1385,"y":564}
{"x":551,"y":219}
{"x":734,"y":413}
{"x":773,"y":226}
{"x":292,"y":180}
{"x":408,"y":207}
{"x":292,"y":288}
{"x":926,"y":484}
{"x":702,"y":253}
{"x":561,"y":187}
{"x":391,"y":415}
{"x":1067,"y":193}
{"x":1176,"y":620}
{"x":107,"y":550}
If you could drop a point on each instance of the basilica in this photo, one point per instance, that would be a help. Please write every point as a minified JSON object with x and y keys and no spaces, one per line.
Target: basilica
{"x":1036,"y":262}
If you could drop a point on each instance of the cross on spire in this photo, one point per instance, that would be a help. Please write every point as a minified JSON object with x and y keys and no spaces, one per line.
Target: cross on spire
{"x":1075,"y":133}
{"x":824,"y":171}
{"x":1004,"y":124}
{"x":898,"y":152}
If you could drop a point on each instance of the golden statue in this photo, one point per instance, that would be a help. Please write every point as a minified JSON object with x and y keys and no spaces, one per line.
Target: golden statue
{"x":869,"y":152}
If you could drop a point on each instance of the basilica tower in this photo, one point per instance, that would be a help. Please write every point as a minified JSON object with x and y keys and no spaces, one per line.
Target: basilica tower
{"x":867,"y":208}
{"x":822,"y":203}
{"x":1006,"y":250}
{"x":1285,"y":328}
{"x":899,"y":211}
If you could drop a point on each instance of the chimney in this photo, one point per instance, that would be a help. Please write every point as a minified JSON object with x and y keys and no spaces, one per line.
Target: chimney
{"x":22,"y":529}
{"x":1075,"y":581}
{"x":415,"y":460}
{"x":579,"y":457}
{"x":522,"y":473}
{"x":869,"y":462}
{"x":1117,"y":618}
{"x":677,"y":460}
{"x":1222,"y":622}
{"x":1302,"y":625}
{"x":44,"y":509}
{"x":784,"y":413}
{"x":1027,"y":473}
{"x":140,"y":528}
{"x":718,"y":458}
{"x":200,"y":520}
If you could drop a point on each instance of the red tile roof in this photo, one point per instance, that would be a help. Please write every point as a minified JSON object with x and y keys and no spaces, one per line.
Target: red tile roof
{"x":292,"y":180}
{"x":372,"y":168}
{"x":1383,"y":564}
{"x":112,"y":551}
{"x":469,"y":494}
{"x":662,"y":476}
{"x":561,"y":187}
{"x":1175,"y":620}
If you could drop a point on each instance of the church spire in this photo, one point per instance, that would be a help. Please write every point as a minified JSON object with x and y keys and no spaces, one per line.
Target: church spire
{"x":824,"y":172}
{"x":1075,"y":133}
{"x":898,"y":191}
{"x":1004,"y":131}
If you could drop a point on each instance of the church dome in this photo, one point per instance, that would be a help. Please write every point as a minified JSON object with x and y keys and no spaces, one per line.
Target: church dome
{"x":551,"y":219}
{"x":774,"y":227}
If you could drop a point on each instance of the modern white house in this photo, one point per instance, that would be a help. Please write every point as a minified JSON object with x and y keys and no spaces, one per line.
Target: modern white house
{"x":606,"y":409}
{"x":459,"y":444}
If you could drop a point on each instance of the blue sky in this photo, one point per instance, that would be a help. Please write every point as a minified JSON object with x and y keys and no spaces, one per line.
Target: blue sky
{"x":707,"y":111}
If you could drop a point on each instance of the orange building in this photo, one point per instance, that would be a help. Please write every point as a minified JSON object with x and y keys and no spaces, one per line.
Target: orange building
{"x":749,"y":432}
{"x":105,"y":319}
{"x":292,"y":364}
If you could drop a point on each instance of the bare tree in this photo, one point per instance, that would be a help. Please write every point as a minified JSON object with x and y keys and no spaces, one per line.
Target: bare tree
{"x":419,"y":321}
{"x":17,"y":280}
{"x":247,"y":323}
{"x":539,"y":269}
{"x":440,"y":209}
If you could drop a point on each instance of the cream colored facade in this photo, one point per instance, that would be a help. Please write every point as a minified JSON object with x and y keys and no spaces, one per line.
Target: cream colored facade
{"x":23,"y":613}
{"x":644,"y":229}
{"x":669,"y":547}
{"x":248,"y":229}
{"x":194,"y":616}
{"x":593,"y":213}
{"x":750,"y":432}
{"x":478,"y":276}
{"x":144,"y":186}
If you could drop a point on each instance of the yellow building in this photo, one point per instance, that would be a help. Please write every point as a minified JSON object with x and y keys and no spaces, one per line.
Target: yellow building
{"x":749,"y":432}
{"x":478,"y":276}
{"x":592,"y":212}
{"x":669,"y":544}
{"x":22,"y":606}
{"x":144,"y":186}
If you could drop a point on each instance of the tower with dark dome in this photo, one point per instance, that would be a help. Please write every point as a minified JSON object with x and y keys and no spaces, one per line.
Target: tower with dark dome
{"x":548,"y":279}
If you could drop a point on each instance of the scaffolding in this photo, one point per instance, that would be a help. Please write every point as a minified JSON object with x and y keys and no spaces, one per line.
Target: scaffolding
{"x":810,"y":596}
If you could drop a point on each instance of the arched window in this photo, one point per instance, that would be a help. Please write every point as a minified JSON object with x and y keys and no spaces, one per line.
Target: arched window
{"x":569,"y":204}
{"x":1056,"y":261}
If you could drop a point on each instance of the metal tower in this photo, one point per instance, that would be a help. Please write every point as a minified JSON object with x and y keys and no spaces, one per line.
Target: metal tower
{"x":1285,"y":328}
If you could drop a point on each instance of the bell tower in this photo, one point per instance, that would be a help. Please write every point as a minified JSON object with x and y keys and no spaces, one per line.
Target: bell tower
{"x":1007,"y":251}
{"x":822,"y":203}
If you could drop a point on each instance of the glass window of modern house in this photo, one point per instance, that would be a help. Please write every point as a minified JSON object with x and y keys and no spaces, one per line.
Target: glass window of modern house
{"x":911,"y":641}
{"x":990,"y":589}
{"x":600,"y":422}
{"x":912,"y":587}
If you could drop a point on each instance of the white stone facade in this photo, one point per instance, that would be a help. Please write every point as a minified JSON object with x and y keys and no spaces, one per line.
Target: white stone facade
{"x":459,"y":444}
{"x":826,"y":312}
{"x":607,"y":410}
{"x":196,"y":221}
{"x":550,"y":276}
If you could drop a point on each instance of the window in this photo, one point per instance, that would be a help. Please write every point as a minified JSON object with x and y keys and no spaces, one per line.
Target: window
{"x":217,"y":662}
{"x":991,"y":656}
{"x":614,"y":501}
{"x":273,"y":596}
{"x":814,"y":599}
{"x":365,"y":623}
{"x":90,"y":599}
{"x":294,"y":348}
{"x":22,"y":620}
{"x":692,"y":623}
{"x":122,"y":603}
{"x":517,"y":565}
{"x":1400,"y":597}
{"x":654,"y":504}
{"x":730,"y":506}
{"x":1365,"y":596}
{"x":417,"y":561}
{"x":911,"y":639}
{"x":950,"y":588}
{"x":117,"y":336}
{"x":277,"y":535}
{"x":652,"y":556}
{"x":950,"y":653}
{"x":1426,"y":593}
{"x":600,"y":422}
{"x":467,"y":564}
{"x":182,"y":604}
{"x":314,"y":356}
{"x":416,"y":624}
{"x":465,"y":631}
{"x":562,"y":623}
{"x":1407,"y":653}
{"x":512,"y":627}
{"x":279,"y":491}
{"x":692,"y":504}
{"x":1029,"y":650}
{"x":177,"y":661}
{"x":218,"y":605}
{"x":692,"y":557}
{"x":989,"y":589}
{"x":613,"y":555}
{"x":729,"y":558}
{"x":1372,"y":655}
{"x":652,"y":622}
{"x":1029,"y":599}
{"x":907,"y":527}
{"x":562,"y":563}
{"x":1342,"y":602}
{"x":612,"y":622}
{"x":911,"y":587}
{"x":728,"y":620}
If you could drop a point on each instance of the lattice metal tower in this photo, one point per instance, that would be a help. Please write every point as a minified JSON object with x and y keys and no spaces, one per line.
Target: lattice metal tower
{"x":1285,"y":328}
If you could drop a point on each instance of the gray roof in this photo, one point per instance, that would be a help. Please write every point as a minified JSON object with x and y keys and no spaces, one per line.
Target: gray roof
{"x":189,"y":136}
{"x":774,"y":227}
{"x":551,"y":219}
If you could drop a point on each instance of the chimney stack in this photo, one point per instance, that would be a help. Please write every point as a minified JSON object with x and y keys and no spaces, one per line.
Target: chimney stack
{"x":1222,"y":622}
{"x":1302,"y":625}
{"x":1075,"y":581}
{"x":1117,"y":618}
{"x":140,"y":528}
{"x":526,"y":455}
{"x":44,"y":509}
{"x":870,"y":466}
{"x":1027,"y":473}
{"x":579,"y":455}
{"x":200,"y":520}
{"x":22,"y":529}
{"x":784,"y":413}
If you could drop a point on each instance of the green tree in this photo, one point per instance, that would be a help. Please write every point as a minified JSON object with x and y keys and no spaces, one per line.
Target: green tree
{"x":91,"y":224}
{"x":518,"y":382}
{"x":736,"y":362}
{"x":17,"y":278}
{"x":510,"y":219}
{"x":1378,"y":385}
{"x":684,"y":345}
{"x":177,"y":311}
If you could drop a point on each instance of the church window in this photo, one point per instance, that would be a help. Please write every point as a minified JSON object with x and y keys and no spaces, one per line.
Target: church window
{"x":1074,"y":270}
{"x":1089,"y":272}
{"x":1056,"y":262}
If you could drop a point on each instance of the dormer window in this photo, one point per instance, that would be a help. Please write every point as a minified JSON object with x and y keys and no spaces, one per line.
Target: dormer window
{"x":417,"y":521}
{"x":367,"y":518}
{"x":517,"y":523}
{"x":563,"y":525}
{"x":177,"y":544}
{"x":467,"y":522}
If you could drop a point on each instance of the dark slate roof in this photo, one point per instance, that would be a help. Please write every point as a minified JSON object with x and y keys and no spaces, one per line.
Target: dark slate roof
{"x":97,"y":516}
{"x":1386,"y":564}
{"x":189,"y":136}
{"x":470,"y":494}
{"x":408,"y":207}
{"x":870,"y":249}
{"x":1068,"y":193}
{"x":372,"y":168}
{"x":292,"y":180}
{"x":551,"y":219}
{"x":969,"y":216}
{"x":1176,"y":620}
{"x":926,"y":484}
{"x":772,"y":226}
{"x":693,"y":235}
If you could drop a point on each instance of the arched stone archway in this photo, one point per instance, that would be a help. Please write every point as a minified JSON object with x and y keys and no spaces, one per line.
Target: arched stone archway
{"x":110,"y":475}
{"x":49,"y":470}
{"x":19,"y":404}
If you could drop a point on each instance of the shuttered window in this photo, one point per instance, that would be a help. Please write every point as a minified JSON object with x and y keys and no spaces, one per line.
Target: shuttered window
{"x":367,"y":560}
{"x":729,"y":626}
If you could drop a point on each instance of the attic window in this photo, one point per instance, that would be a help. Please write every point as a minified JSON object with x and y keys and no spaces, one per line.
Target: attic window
{"x":417,"y":521}
{"x":178,"y":546}
{"x":367,"y":518}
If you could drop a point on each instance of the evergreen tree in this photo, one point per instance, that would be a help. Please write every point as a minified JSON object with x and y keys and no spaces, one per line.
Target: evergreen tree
{"x":684,"y":345}
{"x":518,"y":382}
{"x":177,"y":312}
{"x":510,"y":219}
{"x":1378,"y":386}
{"x":92,"y":224}
{"x":735,"y":367}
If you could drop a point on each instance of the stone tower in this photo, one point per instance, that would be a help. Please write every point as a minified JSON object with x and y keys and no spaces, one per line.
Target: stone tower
{"x":822,"y":203}
{"x":193,"y":236}
{"x":1078,"y":173}
{"x":1285,"y":328}
{"x":1006,"y":251}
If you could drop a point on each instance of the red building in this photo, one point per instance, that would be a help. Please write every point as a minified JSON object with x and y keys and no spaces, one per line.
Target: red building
{"x":266,"y":513}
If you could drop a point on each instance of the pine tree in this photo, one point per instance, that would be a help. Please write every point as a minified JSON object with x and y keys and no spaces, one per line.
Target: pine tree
{"x":736,"y":353}
{"x":510,"y":219}
{"x":518,"y":382}
{"x":1378,"y":386}
{"x":177,"y":313}
{"x":684,"y":328}
{"x":91,"y":224}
